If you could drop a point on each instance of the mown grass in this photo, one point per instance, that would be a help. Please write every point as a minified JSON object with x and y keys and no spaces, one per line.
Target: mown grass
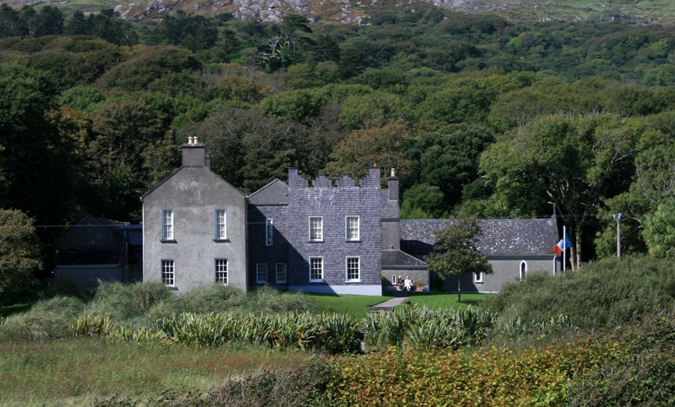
{"x":354,"y":305}
{"x":446,"y":300}
{"x":78,"y":371}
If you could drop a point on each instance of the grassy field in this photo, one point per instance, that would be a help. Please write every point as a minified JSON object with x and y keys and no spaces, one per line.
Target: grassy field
{"x":354,"y":305}
{"x":445,"y":300}
{"x":78,"y":371}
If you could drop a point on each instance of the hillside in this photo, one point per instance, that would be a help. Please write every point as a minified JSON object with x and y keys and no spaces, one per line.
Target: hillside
{"x":358,"y":12}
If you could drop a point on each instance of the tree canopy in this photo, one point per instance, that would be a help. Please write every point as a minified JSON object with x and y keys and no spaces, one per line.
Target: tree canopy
{"x":456,"y":252}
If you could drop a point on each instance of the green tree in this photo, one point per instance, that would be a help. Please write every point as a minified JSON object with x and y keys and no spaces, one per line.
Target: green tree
{"x":383,"y":146}
{"x":659,"y":230}
{"x":11,"y":24}
{"x":448,"y":158}
{"x":20,"y":254}
{"x":42,"y":167}
{"x":125,"y":133}
{"x":572,"y":162}
{"x":456,"y":252}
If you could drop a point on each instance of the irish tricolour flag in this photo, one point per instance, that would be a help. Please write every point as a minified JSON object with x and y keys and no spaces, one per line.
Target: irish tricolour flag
{"x":563,"y":244}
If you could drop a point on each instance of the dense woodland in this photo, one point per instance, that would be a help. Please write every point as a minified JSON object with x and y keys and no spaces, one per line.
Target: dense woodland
{"x":480,"y":116}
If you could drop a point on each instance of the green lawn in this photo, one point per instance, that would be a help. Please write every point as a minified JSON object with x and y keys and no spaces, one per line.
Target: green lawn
{"x":354,"y":305}
{"x":75,"y":372}
{"x":445,"y":300}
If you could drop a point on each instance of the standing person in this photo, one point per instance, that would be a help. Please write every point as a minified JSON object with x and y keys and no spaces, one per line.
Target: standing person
{"x":408,"y":283}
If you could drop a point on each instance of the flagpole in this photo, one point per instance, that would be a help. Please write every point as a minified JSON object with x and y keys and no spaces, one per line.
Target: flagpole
{"x":565,"y":248}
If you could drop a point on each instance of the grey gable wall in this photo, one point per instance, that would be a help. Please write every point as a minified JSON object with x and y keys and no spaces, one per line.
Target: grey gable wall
{"x":194,"y":194}
{"x":269,"y":202}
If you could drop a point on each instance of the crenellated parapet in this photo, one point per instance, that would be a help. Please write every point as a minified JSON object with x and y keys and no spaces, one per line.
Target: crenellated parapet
{"x":369,"y":181}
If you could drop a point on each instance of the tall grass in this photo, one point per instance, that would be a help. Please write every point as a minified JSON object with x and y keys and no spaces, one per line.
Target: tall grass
{"x":605,"y":293}
{"x":45,"y":320}
{"x":77,"y":372}
{"x":427,"y":328}
{"x":131,"y":308}
{"x":328,"y":332}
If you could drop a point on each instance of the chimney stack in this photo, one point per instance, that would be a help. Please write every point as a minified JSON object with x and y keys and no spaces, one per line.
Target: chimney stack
{"x":194,"y":154}
{"x":393,"y":186}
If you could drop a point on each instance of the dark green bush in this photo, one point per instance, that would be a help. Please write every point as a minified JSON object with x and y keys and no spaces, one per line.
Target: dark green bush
{"x":605,"y":293}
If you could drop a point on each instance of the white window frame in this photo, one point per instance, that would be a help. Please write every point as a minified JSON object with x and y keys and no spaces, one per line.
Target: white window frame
{"x":358,"y":228}
{"x":167,"y":224}
{"x":168,"y":272}
{"x":284,"y":266}
{"x":358,"y":269}
{"x":393,"y":279}
{"x":222,"y":272}
{"x":313,"y":238}
{"x":269,"y":232}
{"x":478,"y":278}
{"x":259,"y":269}
{"x":316,"y":280}
{"x":523,"y":270}
{"x":221,"y":224}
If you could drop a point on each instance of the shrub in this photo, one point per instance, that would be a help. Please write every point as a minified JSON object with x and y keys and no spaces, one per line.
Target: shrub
{"x":47,"y":319}
{"x":643,"y":373}
{"x":491,"y":377}
{"x":427,"y":328}
{"x":124,"y":301}
{"x":329,"y":332}
{"x":605,"y":293}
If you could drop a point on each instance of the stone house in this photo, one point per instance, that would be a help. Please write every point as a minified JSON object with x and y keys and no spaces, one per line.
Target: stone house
{"x":320,"y":236}
{"x":194,"y":227}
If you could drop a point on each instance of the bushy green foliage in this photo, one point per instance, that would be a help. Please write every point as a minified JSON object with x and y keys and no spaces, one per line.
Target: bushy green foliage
{"x":45,"y":320}
{"x":427,"y":328}
{"x":148,"y":64}
{"x":605,"y":293}
{"x":333,"y":333}
{"x":641,"y":374}
{"x":126,"y":301}
{"x":492,"y":377}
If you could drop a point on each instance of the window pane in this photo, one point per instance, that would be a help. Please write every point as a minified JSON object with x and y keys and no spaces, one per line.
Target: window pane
{"x":221,"y":224}
{"x":315,"y":228}
{"x":261,"y":272}
{"x":168,"y":275}
{"x":316,"y":268}
{"x":352,"y":228}
{"x":281,"y":273}
{"x":353,"y":269}
{"x":269,"y":232}
{"x":167,"y":225}
{"x":221,"y":271}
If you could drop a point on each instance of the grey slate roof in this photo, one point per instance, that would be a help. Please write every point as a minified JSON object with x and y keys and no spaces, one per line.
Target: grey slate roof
{"x":274,"y":193}
{"x":399,"y":258}
{"x":501,"y":237}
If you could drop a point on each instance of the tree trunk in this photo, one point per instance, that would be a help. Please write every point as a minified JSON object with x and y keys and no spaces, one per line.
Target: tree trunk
{"x":577,"y":247}
{"x":459,"y":289}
